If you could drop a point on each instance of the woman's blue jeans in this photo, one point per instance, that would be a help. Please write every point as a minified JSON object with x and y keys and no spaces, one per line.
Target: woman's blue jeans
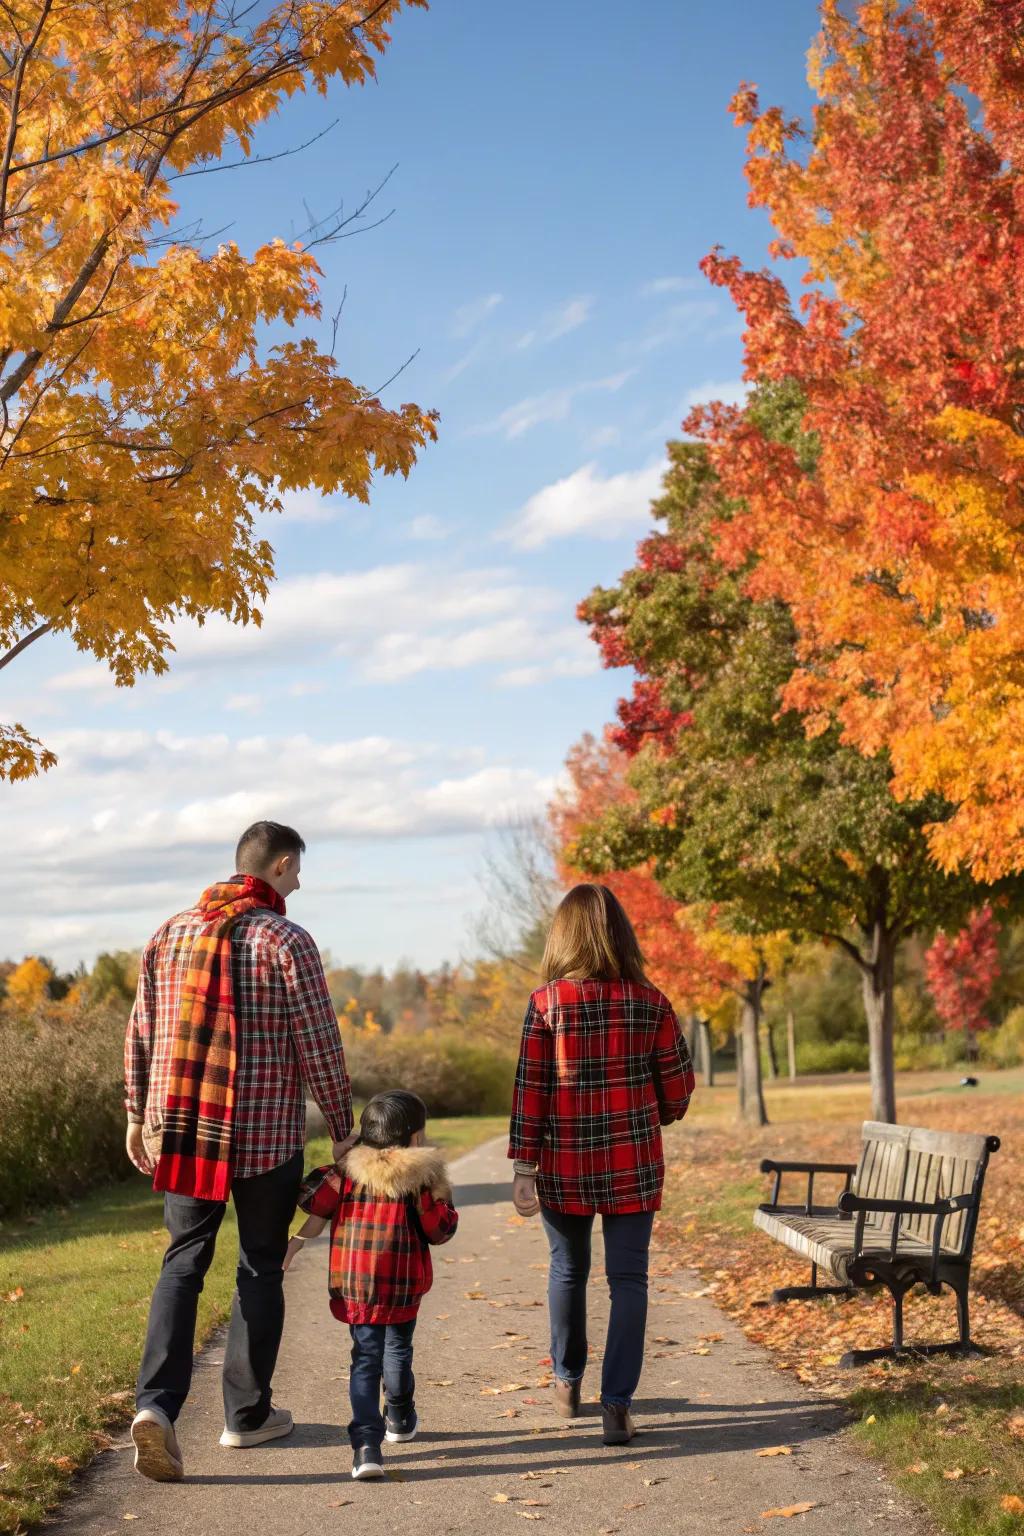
{"x":627,"y":1241}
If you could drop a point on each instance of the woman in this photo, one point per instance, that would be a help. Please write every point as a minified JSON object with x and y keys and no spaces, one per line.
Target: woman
{"x":602,"y":1066}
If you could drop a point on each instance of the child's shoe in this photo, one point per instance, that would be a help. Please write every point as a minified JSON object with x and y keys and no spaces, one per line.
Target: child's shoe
{"x":366,"y":1463}
{"x":401,"y":1426}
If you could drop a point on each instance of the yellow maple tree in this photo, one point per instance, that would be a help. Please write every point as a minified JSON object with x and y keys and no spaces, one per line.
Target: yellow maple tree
{"x":143,"y":421}
{"x":28,"y":985}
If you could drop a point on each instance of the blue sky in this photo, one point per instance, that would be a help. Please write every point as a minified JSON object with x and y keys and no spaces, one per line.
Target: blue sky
{"x":420,"y":675}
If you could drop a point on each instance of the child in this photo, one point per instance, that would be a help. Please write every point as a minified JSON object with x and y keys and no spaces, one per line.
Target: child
{"x":387,"y":1200}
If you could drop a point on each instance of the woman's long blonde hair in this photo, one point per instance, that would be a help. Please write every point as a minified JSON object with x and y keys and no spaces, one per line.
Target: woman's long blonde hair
{"x":592,"y":939}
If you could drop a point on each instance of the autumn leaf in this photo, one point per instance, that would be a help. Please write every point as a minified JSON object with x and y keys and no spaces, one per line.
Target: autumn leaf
{"x":776,"y":1450}
{"x":786,"y":1512}
{"x":1012,"y":1504}
{"x":439,"y":1382}
{"x":952,"y":1474}
{"x":510,"y":1386}
{"x":916,"y":1468}
{"x":501,"y":1498}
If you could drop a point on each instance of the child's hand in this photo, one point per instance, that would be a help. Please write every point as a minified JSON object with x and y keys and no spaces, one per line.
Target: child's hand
{"x":295,"y":1245}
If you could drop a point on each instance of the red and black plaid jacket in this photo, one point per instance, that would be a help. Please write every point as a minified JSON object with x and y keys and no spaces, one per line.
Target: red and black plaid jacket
{"x":287,"y":1036}
{"x":385,"y":1207}
{"x":603,"y":1065}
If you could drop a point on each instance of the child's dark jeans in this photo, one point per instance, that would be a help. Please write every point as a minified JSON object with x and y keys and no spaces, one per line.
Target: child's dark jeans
{"x":380,"y":1351}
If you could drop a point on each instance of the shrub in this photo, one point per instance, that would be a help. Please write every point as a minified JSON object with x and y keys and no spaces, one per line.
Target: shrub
{"x":1004,"y":1047}
{"x":61,"y":1104}
{"x":452,"y":1075}
{"x":912,"y":1054}
{"x":820,"y":1056}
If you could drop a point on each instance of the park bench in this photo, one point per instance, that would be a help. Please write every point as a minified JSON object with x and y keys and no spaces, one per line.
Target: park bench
{"x":907,"y":1216}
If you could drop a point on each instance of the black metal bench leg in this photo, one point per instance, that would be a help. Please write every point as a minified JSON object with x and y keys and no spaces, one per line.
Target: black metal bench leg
{"x":807,"y":1292}
{"x":961,"y":1346}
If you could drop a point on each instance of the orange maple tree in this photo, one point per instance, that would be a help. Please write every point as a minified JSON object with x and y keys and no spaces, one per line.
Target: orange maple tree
{"x":900,"y":557}
{"x":144,"y":419}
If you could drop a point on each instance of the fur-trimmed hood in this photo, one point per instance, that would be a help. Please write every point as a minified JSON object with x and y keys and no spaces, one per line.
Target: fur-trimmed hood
{"x":394,"y":1172}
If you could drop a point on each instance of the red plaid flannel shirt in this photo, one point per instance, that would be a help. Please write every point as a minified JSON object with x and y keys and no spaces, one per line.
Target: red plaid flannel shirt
{"x":380,"y":1266}
{"x":287,"y":1036}
{"x":603,"y":1065}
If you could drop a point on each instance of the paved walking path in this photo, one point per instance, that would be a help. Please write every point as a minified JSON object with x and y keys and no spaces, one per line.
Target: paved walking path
{"x":693,"y":1471}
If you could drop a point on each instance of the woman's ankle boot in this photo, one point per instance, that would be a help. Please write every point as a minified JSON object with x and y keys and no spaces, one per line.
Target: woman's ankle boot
{"x":567,"y":1398}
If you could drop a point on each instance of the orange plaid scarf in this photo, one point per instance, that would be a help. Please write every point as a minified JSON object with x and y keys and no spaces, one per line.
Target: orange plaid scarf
{"x":195,"y":1154}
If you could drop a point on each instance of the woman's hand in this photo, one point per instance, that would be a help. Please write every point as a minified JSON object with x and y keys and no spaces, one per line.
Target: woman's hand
{"x":524,"y":1194}
{"x":295,"y":1245}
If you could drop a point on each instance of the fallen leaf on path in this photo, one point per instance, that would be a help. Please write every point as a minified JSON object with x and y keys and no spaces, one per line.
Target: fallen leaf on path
{"x":129,"y":1517}
{"x":639,"y":1505}
{"x":710,"y":1338}
{"x":1016,"y":1426}
{"x":953,"y":1474}
{"x":527,"y":1514}
{"x":531,"y":1477}
{"x":537,"y":1503}
{"x":434,"y":1382}
{"x":475,"y":1295}
{"x":917,"y":1467}
{"x":652,"y":1482}
{"x":1012,"y":1504}
{"x":510,"y":1386}
{"x":704,"y":1350}
{"x":776,"y":1450}
{"x":509,"y":1413}
{"x":788,"y":1511}
{"x":502,"y":1498}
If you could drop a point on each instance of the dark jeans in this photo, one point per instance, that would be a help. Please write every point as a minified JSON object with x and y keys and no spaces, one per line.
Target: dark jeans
{"x":264,"y":1206}
{"x":627,"y":1240}
{"x":380,"y":1351}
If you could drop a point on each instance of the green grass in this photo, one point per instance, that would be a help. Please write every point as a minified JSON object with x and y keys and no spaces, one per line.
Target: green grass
{"x":960,"y":1427}
{"x":74,"y":1295}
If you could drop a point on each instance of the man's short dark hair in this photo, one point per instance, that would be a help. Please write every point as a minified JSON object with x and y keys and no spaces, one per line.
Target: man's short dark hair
{"x":262,"y":843}
{"x":391,"y":1119}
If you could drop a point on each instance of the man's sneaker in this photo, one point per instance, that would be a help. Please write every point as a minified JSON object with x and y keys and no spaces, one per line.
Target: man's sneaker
{"x":366,"y":1463}
{"x":275,"y":1426}
{"x":401,"y":1426}
{"x":156,"y":1447}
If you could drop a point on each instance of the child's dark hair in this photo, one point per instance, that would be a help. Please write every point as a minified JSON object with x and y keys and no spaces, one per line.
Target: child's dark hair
{"x":392,"y":1119}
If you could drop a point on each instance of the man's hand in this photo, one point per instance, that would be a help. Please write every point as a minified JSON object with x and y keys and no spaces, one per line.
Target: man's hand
{"x":524,"y":1194}
{"x":339,"y":1148}
{"x":136,"y":1150}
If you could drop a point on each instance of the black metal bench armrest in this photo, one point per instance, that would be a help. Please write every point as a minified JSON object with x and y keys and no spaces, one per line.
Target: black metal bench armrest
{"x":850,"y":1203}
{"x":811,"y":1169}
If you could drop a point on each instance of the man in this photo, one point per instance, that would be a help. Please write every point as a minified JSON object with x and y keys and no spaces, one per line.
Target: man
{"x":231,"y":1021}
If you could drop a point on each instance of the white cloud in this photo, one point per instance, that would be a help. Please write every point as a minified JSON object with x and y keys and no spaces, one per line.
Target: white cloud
{"x":728,"y":391}
{"x":661,"y":285}
{"x":553,"y":405}
{"x":680,"y":322}
{"x":244,"y":703}
{"x":604,"y":437}
{"x":426,"y":528}
{"x":559,"y":322}
{"x":389,"y":623}
{"x":474,"y":313}
{"x":468,"y":358}
{"x":586,"y":502}
{"x":307,"y":507}
{"x":302,"y":690}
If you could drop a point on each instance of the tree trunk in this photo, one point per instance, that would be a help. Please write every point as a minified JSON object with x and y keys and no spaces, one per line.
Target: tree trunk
{"x":748,"y":1063}
{"x":773,"y":1060}
{"x":878,"y":970}
{"x":707,"y":1053}
{"x":791,"y":1043}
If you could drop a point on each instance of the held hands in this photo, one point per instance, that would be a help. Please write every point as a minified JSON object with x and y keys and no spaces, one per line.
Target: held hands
{"x":136,"y":1150}
{"x":524,"y":1194}
{"x":295,"y":1245}
{"x":339,"y":1148}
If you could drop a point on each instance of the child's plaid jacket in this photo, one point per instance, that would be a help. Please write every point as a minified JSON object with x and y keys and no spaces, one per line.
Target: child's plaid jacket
{"x":603,"y":1065}
{"x":385,"y":1205}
